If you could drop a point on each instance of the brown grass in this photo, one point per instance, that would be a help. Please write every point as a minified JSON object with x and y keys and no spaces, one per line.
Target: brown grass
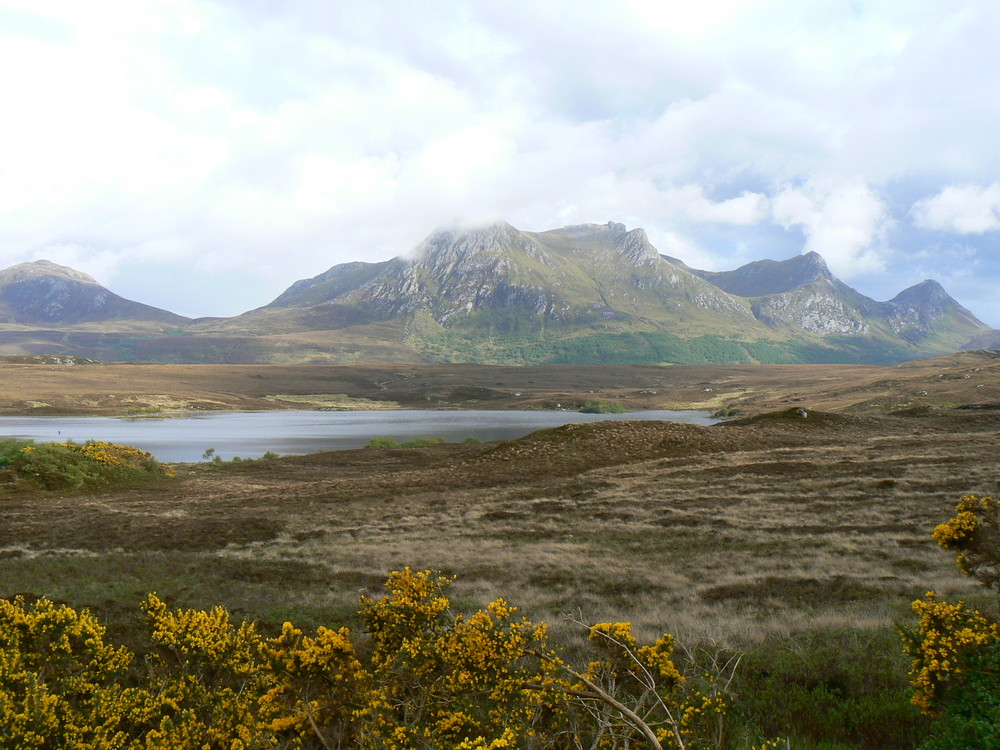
{"x":728,"y":533}
{"x":961,"y":379}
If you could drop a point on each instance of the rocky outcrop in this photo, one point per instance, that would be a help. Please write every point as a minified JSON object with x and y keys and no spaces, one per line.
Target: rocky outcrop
{"x":768,"y":277}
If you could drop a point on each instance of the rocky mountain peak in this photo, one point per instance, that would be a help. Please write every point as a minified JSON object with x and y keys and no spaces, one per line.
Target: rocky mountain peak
{"x":929,"y":301}
{"x":926,"y":292}
{"x":475,"y":239}
{"x":635,"y":245}
{"x":763,"y":278}
{"x":811,"y":263}
{"x":450,"y":251}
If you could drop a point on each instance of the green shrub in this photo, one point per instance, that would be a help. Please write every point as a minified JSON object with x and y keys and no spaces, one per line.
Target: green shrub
{"x":971,"y":716}
{"x":601,"y":407}
{"x":70,"y":465}
{"x":421,"y":442}
{"x":843,"y":686}
{"x":10,"y":448}
{"x":382,"y":442}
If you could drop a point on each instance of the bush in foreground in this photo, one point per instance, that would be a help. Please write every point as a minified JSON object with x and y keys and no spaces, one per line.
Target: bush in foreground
{"x":955,"y":649}
{"x":423,"y":676}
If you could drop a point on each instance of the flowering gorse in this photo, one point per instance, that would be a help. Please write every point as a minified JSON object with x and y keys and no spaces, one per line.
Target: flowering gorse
{"x":954,"y":648}
{"x":946,"y":635}
{"x":974,"y":534}
{"x":73,"y":465}
{"x":61,"y":685}
{"x":423,"y":677}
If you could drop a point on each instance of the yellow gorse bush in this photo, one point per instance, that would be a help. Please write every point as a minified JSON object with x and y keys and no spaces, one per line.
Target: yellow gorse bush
{"x":62,"y":465}
{"x":60,"y":683}
{"x":442,"y":679}
{"x":974,"y":534}
{"x":423,"y":677}
{"x":947,"y":634}
{"x":319,"y":685}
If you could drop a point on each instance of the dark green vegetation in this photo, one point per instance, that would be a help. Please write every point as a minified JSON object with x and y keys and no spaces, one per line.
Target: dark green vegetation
{"x":25,"y":465}
{"x":655,"y":348}
{"x":588,"y":294}
{"x":602,"y":407}
{"x":795,"y":541}
{"x":391,"y":442}
{"x":837,"y":687}
{"x":972,"y":716}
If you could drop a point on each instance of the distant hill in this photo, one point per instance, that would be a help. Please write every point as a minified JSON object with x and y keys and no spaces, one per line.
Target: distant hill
{"x":494,"y":294}
{"x":45,"y":293}
{"x":49,"y":309}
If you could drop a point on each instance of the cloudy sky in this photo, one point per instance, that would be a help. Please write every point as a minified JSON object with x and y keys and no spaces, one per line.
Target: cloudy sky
{"x":201,"y":155}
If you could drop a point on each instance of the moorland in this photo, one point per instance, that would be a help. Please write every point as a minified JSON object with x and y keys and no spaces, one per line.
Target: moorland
{"x":797,"y":533}
{"x":48,"y":385}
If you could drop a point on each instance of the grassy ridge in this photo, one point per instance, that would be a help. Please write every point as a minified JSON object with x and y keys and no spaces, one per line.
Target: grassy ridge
{"x":650,"y":348}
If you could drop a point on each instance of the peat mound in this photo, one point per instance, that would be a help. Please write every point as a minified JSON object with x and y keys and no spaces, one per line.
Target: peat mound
{"x":574,"y":448}
{"x":806,"y":419}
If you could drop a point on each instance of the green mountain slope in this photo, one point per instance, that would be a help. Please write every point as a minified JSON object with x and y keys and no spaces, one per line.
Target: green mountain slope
{"x":599,"y":293}
{"x":494,"y":294}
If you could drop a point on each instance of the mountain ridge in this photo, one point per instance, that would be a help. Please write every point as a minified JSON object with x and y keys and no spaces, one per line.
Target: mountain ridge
{"x":587,"y":293}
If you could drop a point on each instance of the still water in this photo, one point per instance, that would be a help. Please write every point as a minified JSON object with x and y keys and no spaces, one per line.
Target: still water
{"x":252,"y":434}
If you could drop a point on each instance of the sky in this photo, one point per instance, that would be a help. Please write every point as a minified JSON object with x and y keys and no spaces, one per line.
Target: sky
{"x":202,"y":155}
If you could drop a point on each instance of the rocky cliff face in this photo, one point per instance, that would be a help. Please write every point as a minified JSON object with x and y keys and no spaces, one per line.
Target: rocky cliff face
{"x":816,"y":307}
{"x":513,"y":281}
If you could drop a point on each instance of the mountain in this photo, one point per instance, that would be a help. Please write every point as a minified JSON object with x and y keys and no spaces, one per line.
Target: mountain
{"x":801,"y":293}
{"x":767,"y":277}
{"x":45,"y":293}
{"x":48,"y":309}
{"x":495,"y":294}
{"x":601,"y":293}
{"x":506,"y":281}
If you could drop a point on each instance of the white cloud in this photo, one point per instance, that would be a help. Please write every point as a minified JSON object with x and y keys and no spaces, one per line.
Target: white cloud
{"x":684,"y":18}
{"x":691,"y":202}
{"x":276,"y":139}
{"x":842,"y":221}
{"x":965,"y":209}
